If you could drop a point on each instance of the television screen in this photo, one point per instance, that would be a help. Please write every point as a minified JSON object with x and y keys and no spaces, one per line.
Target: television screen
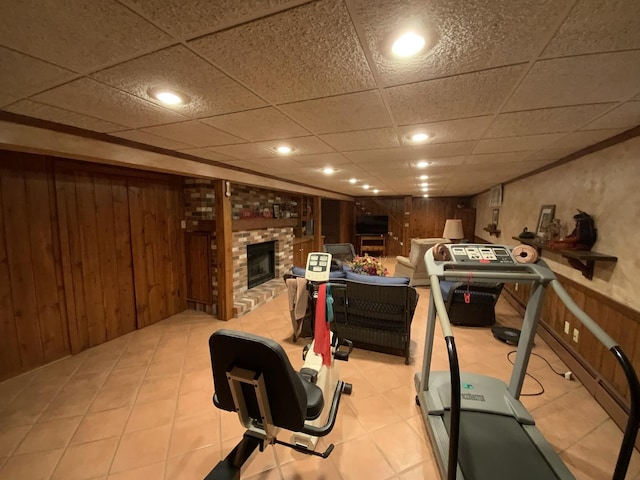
{"x":372,"y":225}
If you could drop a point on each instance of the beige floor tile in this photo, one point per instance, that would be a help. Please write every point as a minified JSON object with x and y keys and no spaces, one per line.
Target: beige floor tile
{"x":401,"y":446}
{"x":11,"y":437}
{"x":112,"y":398}
{"x":195,"y":403}
{"x":32,"y":466}
{"x":195,"y":464}
{"x":100,"y":425}
{"x":154,"y":471}
{"x":421,"y":472}
{"x":193,"y":433}
{"x":360,"y":458}
{"x":158,"y":388}
{"x":151,"y":414}
{"x":403,"y":401}
{"x":49,"y":435}
{"x":141,"y":448}
{"x":374,"y":412}
{"x":86,"y":461}
{"x":307,"y":467}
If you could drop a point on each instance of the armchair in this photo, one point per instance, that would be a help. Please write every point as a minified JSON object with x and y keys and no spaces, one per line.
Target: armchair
{"x":480,"y":311}
{"x":413,"y":266}
{"x":340,"y":251}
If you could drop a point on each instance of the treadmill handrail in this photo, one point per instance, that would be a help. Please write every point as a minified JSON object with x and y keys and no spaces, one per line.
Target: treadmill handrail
{"x":633,"y":420}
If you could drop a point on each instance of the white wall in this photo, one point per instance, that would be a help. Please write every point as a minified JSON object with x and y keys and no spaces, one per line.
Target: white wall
{"x":605,"y":184}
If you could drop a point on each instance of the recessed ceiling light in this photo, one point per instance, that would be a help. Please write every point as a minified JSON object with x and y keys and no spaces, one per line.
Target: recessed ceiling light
{"x":426,"y":195}
{"x":407,"y":45}
{"x":352,"y":180}
{"x":284,"y":149}
{"x":424,"y":184}
{"x":419,"y":137}
{"x":376,"y":191}
{"x":167,"y":96}
{"x":425,"y":189}
{"x":365,"y":186}
{"x":328,"y":171}
{"x":424,"y":177}
{"x":422,"y":164}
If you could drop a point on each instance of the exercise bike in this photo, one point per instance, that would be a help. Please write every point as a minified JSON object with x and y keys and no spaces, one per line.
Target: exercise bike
{"x":253,"y":377}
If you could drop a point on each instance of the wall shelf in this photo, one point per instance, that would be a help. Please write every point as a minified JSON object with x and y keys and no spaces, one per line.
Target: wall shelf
{"x":492,"y":232}
{"x":581,"y":260}
{"x":262,"y":223}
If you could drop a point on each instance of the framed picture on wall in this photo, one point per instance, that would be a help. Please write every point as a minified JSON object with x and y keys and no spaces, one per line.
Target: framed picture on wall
{"x":494,"y":216}
{"x":495,"y":196}
{"x":276,"y":210}
{"x":547,"y":213}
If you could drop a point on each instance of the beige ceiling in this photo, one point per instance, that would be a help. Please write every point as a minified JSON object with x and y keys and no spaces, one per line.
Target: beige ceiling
{"x":505,"y":87}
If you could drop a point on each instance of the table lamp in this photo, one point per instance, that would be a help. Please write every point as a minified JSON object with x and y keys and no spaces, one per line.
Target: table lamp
{"x":453,"y":230}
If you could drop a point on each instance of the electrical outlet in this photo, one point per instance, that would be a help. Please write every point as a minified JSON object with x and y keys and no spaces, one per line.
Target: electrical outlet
{"x":183,"y":224}
{"x":516,"y":287}
{"x":567,"y":327}
{"x":576,"y":335}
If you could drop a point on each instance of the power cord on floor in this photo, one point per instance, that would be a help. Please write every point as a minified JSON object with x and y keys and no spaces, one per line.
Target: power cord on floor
{"x":568,"y":375}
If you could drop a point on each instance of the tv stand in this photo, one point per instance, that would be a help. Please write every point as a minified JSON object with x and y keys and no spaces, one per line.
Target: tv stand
{"x":374,"y":245}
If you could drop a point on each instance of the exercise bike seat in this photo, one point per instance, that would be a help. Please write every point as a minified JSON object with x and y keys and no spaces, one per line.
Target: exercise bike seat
{"x":292,"y":399}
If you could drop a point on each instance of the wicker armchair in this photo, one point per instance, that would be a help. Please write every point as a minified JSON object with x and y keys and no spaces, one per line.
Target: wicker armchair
{"x":375,"y":317}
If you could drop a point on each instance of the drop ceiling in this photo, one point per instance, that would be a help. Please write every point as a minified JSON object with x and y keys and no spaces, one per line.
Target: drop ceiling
{"x":505,"y":87}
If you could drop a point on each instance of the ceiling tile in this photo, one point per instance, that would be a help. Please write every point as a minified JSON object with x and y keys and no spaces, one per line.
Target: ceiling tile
{"x":494,"y":158}
{"x":582,"y":139}
{"x":465,"y":36}
{"x":447,"y":131}
{"x":548,"y":120}
{"x":357,"y":111}
{"x":516,"y":144}
{"x":95,"y":99}
{"x":469,"y":95}
{"x":21,"y":75}
{"x":190,"y":18}
{"x":7,"y":99}
{"x":382,"y":154}
{"x":363,"y":139}
{"x":604,"y":77}
{"x":194,"y":133}
{"x":210,"y":92}
{"x":550,"y":154}
{"x":65,"y":117}
{"x":301,"y":146}
{"x":378,"y":165}
{"x":78,"y":35}
{"x":307,"y":52}
{"x":150,"y":139}
{"x":244,"y":151}
{"x":597,"y":26}
{"x":206,"y":153}
{"x":322,"y":160}
{"x":625,"y":116}
{"x":255,"y":125}
{"x":436,"y":150}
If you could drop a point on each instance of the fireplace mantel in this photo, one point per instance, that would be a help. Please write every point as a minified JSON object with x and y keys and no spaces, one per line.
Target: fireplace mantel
{"x":262,"y":223}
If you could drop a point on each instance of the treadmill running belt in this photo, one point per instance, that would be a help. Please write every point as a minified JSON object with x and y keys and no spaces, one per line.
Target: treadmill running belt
{"x":495,"y":447}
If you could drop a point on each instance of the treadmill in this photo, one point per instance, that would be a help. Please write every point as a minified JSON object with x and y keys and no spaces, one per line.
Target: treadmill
{"x":477,"y":424}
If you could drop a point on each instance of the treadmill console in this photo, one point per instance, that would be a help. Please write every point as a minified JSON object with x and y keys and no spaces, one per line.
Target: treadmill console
{"x":481,"y":253}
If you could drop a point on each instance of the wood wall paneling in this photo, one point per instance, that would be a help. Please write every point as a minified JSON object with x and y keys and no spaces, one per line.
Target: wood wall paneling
{"x":199,"y":285}
{"x":224,"y":254}
{"x":32,"y":305}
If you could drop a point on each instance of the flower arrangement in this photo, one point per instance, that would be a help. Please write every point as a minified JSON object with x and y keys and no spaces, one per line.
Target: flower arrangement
{"x":367,"y":265}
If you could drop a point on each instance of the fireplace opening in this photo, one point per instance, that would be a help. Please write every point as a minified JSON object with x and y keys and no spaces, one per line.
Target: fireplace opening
{"x":260,"y":263}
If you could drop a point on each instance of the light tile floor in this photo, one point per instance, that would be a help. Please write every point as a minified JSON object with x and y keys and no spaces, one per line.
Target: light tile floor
{"x":140,"y":407}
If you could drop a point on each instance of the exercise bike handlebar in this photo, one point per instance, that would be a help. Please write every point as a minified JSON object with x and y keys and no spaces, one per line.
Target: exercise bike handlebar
{"x":331,"y":419}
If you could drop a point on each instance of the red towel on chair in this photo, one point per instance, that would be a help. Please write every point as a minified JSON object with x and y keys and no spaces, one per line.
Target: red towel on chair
{"x":322,"y":333}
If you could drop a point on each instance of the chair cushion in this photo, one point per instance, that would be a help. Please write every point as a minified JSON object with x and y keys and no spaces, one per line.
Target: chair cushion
{"x":315,"y":400}
{"x":374,"y":279}
{"x":300,"y":272}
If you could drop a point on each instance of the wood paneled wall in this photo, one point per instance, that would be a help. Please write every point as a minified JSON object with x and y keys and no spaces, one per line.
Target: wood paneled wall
{"x":87,"y":253}
{"x":33,"y":326}
{"x":619,"y":321}
{"x":428,"y":216}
